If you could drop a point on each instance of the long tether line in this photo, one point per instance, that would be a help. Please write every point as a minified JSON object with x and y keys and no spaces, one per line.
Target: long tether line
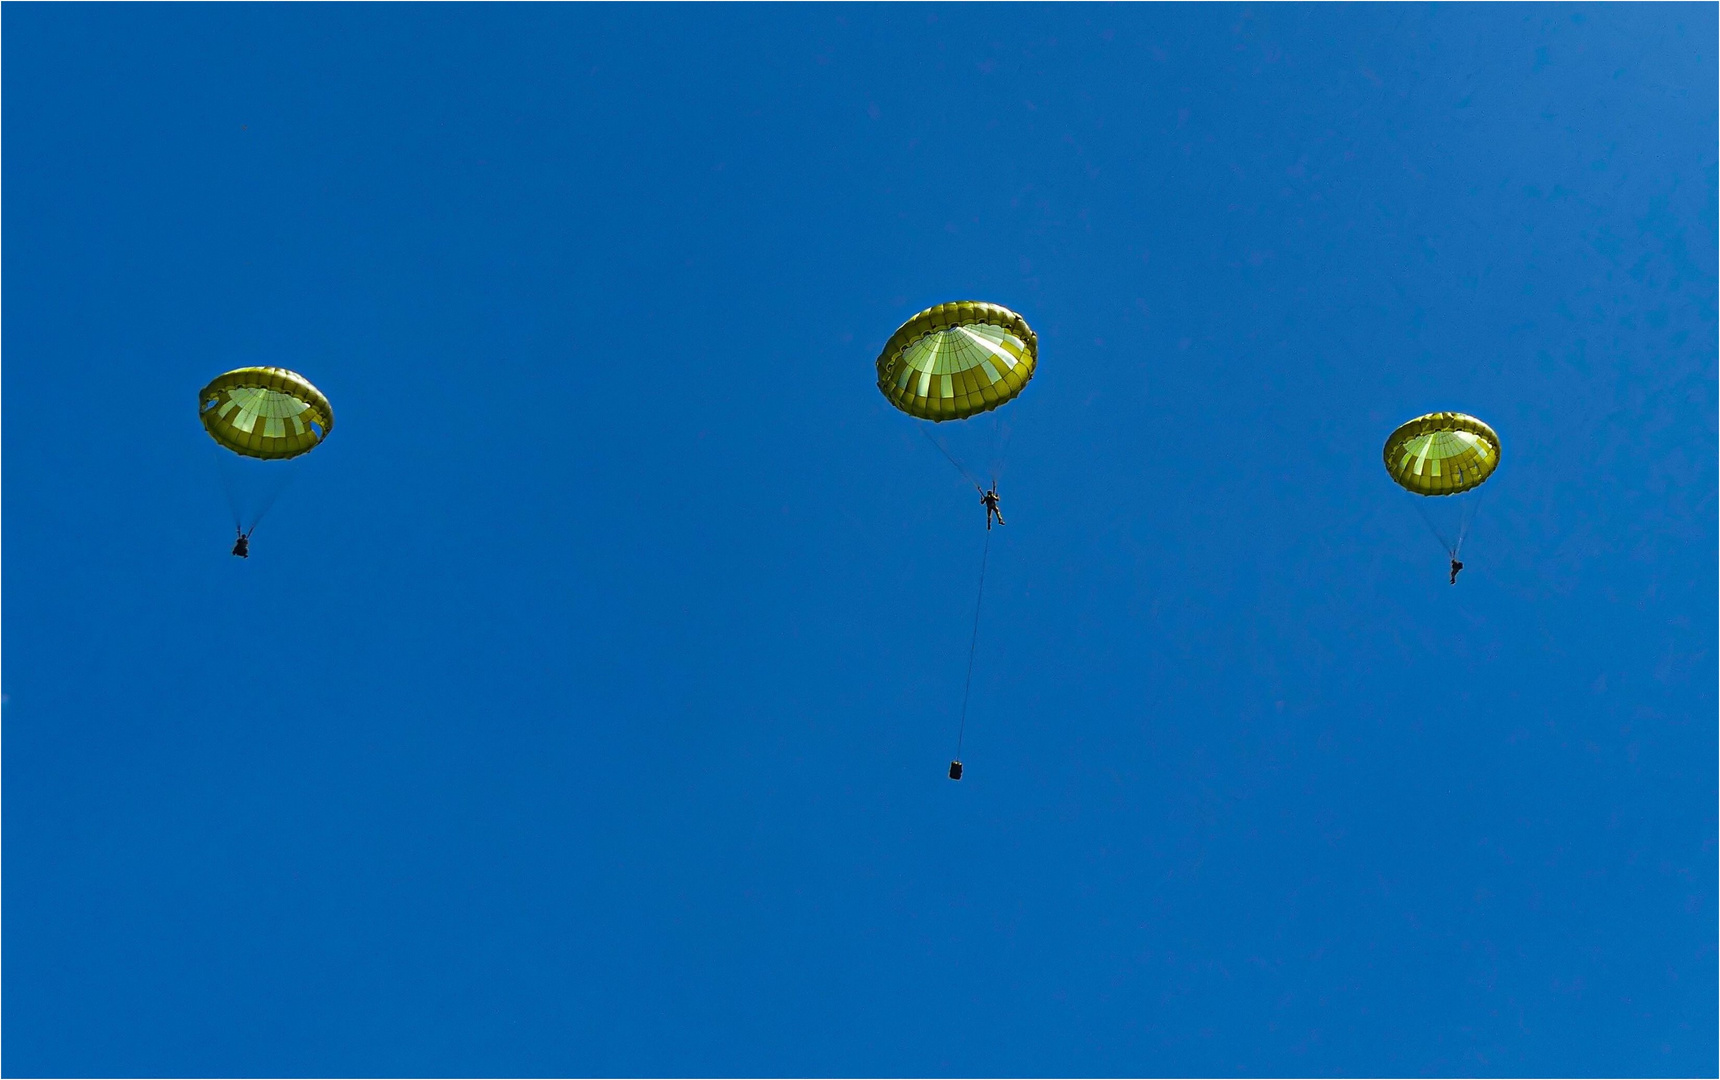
{"x":973,"y":644}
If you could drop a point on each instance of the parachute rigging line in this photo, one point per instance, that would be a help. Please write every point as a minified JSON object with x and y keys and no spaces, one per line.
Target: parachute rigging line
{"x":232,"y":496}
{"x":269,"y":502}
{"x":973,"y":644}
{"x":271,"y":485}
{"x":951,"y":458}
{"x":1000,"y":446}
{"x":1434,"y":529}
{"x":1467,"y":521}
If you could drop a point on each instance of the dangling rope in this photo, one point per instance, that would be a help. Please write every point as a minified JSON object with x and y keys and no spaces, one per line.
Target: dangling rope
{"x":973,"y":643}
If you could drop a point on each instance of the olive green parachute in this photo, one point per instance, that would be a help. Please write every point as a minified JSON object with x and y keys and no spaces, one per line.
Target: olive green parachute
{"x":954,"y":361}
{"x":1443,"y":453}
{"x":265,"y":412}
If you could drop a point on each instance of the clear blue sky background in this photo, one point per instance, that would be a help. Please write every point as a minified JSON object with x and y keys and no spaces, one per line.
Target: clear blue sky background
{"x":585,"y":705}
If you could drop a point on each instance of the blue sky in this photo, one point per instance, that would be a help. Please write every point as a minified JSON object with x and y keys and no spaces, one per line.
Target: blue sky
{"x":585,"y":704}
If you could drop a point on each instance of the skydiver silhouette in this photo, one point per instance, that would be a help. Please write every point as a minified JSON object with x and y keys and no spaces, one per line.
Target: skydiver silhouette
{"x":989,"y":499}
{"x":1455,"y":567}
{"x":242,"y":546}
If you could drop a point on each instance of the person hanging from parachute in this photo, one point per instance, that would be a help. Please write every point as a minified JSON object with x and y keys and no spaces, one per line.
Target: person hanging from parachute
{"x":1444,"y":454}
{"x":264,"y":414}
{"x":989,"y":499}
{"x":953,"y":362}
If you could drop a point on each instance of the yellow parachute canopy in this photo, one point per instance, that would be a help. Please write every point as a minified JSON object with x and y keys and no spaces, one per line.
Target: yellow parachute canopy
{"x":265,"y":412}
{"x":956,"y":360}
{"x":1442,"y":453}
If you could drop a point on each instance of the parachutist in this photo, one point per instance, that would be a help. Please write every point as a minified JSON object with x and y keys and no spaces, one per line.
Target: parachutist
{"x":954,"y":362}
{"x":267,"y":414}
{"x":989,"y":498}
{"x":1441,"y":454}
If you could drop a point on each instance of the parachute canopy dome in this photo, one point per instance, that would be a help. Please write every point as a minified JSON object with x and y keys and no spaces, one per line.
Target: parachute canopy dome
{"x":1443,"y":453}
{"x":265,"y":412}
{"x":956,"y":360}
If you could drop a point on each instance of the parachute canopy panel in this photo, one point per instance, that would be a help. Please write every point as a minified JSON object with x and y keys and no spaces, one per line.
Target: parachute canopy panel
{"x":1444,"y":453}
{"x":265,"y":412}
{"x":956,"y":360}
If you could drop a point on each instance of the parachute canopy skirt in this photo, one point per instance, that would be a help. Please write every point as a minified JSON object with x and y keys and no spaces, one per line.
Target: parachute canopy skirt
{"x":957,"y":360}
{"x":265,"y":412}
{"x":1443,"y":453}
